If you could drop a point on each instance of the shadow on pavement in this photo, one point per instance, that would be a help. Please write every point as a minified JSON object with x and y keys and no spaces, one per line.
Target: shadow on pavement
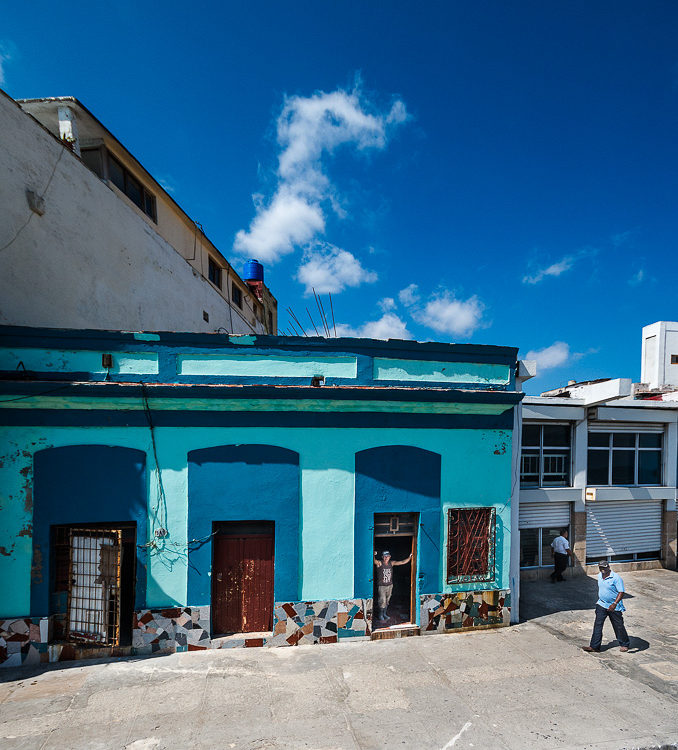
{"x":635,"y":645}
{"x":539,"y":598}
{"x":30,"y":671}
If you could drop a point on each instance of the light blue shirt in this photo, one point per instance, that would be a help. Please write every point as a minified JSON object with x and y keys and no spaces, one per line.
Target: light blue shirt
{"x":608,"y":588}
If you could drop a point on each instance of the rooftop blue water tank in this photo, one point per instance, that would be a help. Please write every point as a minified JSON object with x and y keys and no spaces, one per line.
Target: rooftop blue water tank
{"x":253,"y":271}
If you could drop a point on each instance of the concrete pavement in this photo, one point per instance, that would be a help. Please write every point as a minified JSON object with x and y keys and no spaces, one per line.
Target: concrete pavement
{"x":651,"y":618}
{"x":528,"y":686}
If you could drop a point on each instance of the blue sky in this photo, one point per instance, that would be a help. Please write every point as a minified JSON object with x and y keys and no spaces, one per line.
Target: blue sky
{"x":492,"y":172}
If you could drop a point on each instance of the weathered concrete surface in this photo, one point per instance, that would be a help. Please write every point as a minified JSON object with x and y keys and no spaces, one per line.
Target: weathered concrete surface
{"x":651,"y":618}
{"x":529,"y":686}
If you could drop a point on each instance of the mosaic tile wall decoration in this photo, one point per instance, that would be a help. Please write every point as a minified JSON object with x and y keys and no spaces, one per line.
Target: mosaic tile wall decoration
{"x":162,"y":631}
{"x":464,"y":610}
{"x":297,"y":623}
{"x":24,"y":640}
{"x":294,"y":623}
{"x":171,"y":629}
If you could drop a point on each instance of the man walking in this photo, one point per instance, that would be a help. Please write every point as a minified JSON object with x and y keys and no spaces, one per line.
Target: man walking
{"x":385,"y":580}
{"x":609,"y":604}
{"x":560,"y":550}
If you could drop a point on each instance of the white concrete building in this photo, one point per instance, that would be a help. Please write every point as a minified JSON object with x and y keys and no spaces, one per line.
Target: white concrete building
{"x":89,"y":239}
{"x":660,"y":356}
{"x":600,"y":459}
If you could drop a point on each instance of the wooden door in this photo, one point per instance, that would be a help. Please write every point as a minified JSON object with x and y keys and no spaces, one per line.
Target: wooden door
{"x":242,"y":583}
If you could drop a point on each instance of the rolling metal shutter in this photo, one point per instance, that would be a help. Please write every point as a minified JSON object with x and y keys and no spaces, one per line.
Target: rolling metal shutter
{"x":537,"y":515}
{"x":616,"y":527}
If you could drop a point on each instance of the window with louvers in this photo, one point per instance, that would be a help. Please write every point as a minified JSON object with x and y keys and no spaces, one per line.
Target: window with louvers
{"x":470,"y":544}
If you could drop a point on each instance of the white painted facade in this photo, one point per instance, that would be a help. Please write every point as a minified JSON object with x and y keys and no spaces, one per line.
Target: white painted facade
{"x":76,"y":252}
{"x":627,"y":516}
{"x":660,"y":355}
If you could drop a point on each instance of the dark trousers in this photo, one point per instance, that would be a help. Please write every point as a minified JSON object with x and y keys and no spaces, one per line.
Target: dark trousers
{"x":617,"y":620}
{"x":561,"y":565}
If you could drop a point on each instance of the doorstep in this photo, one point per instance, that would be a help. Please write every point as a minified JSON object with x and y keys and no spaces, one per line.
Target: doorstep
{"x":406,"y":630}
{"x":242,"y":640}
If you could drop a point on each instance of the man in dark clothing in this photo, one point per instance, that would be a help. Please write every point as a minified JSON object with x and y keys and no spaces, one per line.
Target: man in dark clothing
{"x":385,"y":580}
{"x":560,"y":550}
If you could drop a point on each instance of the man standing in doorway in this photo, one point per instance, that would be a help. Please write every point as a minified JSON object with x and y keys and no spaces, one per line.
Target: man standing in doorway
{"x":560,"y":550}
{"x":609,"y":604}
{"x":385,"y":580}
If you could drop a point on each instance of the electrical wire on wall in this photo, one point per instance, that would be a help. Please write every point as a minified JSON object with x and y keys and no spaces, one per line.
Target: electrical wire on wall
{"x":42,"y":197}
{"x":163,"y":540}
{"x":160,"y":510}
{"x":230,"y":302}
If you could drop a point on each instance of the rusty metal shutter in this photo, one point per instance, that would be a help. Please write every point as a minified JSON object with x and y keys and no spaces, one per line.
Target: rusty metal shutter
{"x":617,"y":527}
{"x":538,"y":515}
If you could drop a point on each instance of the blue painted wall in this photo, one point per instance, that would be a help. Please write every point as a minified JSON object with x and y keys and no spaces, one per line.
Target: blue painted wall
{"x":244,"y":483}
{"x":397,"y":479}
{"x":85,"y":484}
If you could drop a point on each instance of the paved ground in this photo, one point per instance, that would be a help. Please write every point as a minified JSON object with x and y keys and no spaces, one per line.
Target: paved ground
{"x":529,"y":686}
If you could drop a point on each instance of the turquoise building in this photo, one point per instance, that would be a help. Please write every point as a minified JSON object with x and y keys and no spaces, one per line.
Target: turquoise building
{"x":167,"y":491}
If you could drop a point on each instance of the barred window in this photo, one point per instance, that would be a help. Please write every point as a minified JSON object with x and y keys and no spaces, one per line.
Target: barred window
{"x":545,"y":456}
{"x":470,"y":544}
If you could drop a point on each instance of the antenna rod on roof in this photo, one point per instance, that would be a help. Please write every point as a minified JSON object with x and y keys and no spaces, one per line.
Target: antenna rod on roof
{"x":324,"y":317}
{"x":296,"y":320}
{"x":322,"y":321}
{"x":332,"y":309}
{"x":312,"y":323}
{"x":315,"y":297}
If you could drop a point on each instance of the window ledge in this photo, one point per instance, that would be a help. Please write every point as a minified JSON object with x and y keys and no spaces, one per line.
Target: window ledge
{"x":619,"y":492}
{"x":550,"y":494}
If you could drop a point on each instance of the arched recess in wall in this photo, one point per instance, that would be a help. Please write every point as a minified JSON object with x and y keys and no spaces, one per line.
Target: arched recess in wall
{"x":244,"y":483}
{"x":397,"y":479}
{"x":86,"y":484}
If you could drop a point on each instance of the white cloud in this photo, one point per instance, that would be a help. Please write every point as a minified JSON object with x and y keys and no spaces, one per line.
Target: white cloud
{"x":287,"y":221}
{"x":308,"y":129}
{"x":387,"y":304}
{"x":5,"y":56}
{"x":555,"y":269}
{"x":409,"y":295}
{"x":549,"y":357}
{"x":637,"y":278}
{"x":331,"y":269}
{"x":560,"y":267}
{"x":446,"y":314}
{"x":389,"y":326}
{"x":167,"y":185}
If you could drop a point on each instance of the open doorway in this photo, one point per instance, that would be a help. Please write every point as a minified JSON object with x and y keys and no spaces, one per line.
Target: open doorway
{"x":396,"y":533}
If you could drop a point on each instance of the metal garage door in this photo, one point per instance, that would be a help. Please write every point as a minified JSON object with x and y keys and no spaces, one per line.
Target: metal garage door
{"x":619,"y":527}
{"x":536,"y":515}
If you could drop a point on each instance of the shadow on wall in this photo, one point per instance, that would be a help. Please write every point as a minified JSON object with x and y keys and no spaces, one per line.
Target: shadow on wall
{"x":85,"y":484}
{"x":244,"y":483}
{"x":397,"y":479}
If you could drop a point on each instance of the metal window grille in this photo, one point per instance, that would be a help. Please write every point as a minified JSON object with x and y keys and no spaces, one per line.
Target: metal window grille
{"x":395,"y":524}
{"x":470,"y":544}
{"x":556,"y":468}
{"x":94,"y":590}
{"x":545,"y":462}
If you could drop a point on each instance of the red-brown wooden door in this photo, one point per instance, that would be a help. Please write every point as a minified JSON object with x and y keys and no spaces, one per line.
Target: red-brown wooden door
{"x":242,"y":583}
